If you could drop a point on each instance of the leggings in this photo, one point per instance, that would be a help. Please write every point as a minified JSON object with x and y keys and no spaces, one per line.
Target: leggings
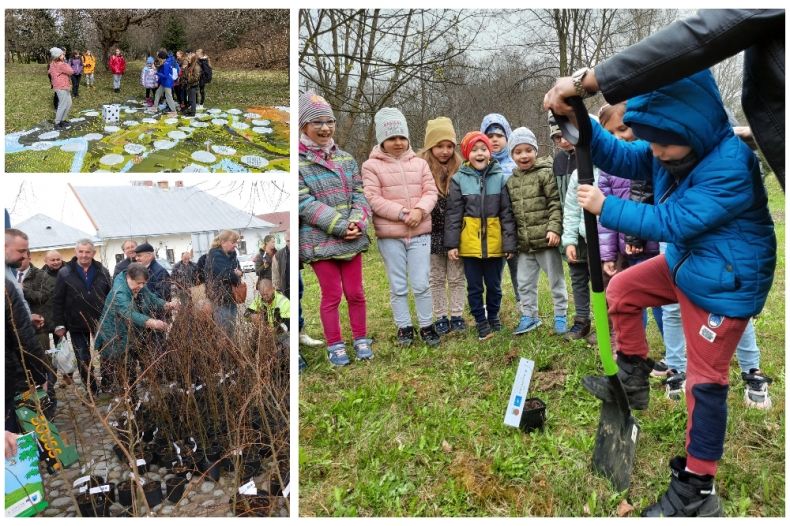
{"x":336,"y":279}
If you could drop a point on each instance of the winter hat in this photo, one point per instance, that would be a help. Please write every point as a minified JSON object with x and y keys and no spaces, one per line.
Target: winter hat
{"x":657,"y":135}
{"x":144,"y":247}
{"x":472,"y":138}
{"x":56,"y":52}
{"x":521,"y":135}
{"x":149,"y":60}
{"x":438,"y":130}
{"x":390,"y":122}
{"x":313,"y":106}
{"x":496,"y":123}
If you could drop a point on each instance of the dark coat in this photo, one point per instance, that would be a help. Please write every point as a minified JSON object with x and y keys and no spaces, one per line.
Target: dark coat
{"x":159,"y":281}
{"x":39,"y":288}
{"x":220,"y":276}
{"x":263,"y":264}
{"x":22,"y":348}
{"x":564,"y":165}
{"x":185,"y":276}
{"x":74,"y":306}
{"x":121,"y":266}
{"x":283,"y":259}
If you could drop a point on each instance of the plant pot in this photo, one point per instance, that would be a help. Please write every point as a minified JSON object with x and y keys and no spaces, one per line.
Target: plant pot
{"x":93,"y":505}
{"x":124,"y":490}
{"x":274,"y":486}
{"x":252,"y":505}
{"x":210,"y":469}
{"x":153,"y":492}
{"x":534,"y":415}
{"x":144,"y":468}
{"x":175,"y":488}
{"x":153,"y":450}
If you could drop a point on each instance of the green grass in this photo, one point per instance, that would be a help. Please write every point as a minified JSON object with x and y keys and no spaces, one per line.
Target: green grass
{"x":419,"y":431}
{"x":28,"y":97}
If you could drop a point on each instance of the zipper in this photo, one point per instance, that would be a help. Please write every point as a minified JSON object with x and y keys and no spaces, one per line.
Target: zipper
{"x":677,"y":266}
{"x":483,"y":225}
{"x":408,"y":196}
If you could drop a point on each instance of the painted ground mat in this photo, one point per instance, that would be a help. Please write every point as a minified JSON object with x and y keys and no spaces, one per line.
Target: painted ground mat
{"x":216,"y":139}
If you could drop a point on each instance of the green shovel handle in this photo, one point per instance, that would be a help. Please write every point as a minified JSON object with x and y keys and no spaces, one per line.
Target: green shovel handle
{"x":602,"y":332}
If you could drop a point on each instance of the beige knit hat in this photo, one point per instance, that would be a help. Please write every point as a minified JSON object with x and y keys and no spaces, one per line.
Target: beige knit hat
{"x":438,"y":130}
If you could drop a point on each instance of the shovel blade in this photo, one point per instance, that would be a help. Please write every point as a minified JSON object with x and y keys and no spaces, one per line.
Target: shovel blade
{"x":615,"y":445}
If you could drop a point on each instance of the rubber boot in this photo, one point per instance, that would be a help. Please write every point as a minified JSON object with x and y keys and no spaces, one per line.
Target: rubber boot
{"x":689,"y":495}
{"x":634,"y":373}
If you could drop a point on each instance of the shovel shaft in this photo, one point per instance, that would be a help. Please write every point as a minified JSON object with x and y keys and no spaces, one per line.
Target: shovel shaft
{"x":602,"y":333}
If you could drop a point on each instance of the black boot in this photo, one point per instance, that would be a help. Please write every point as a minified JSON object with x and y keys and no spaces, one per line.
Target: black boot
{"x":689,"y":495}
{"x":634,"y":373}
{"x":484,"y":331}
{"x":430,"y":336}
{"x":580,"y":329}
{"x":405,"y":336}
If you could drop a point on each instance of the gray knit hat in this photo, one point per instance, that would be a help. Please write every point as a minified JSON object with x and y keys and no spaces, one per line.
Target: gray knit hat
{"x":521,"y":135}
{"x":56,"y":52}
{"x":313,"y":106}
{"x":390,"y":122}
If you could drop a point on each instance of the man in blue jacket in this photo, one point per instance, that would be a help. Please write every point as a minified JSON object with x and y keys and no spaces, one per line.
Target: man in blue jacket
{"x":159,"y":279}
{"x":711,"y":209}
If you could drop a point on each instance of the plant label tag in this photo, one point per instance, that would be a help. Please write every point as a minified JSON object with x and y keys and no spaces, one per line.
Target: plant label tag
{"x":519,"y":393}
{"x":100,"y":489}
{"x":287,"y":490}
{"x":248,"y":488}
{"x":81,"y":480}
{"x":84,"y":488}
{"x":706,"y":333}
{"x":193,"y":441}
{"x":178,"y":450}
{"x":141,"y":462}
{"x":139,"y":403}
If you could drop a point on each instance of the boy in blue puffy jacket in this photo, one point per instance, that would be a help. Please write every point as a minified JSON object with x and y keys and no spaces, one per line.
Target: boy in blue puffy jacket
{"x":711,"y":209}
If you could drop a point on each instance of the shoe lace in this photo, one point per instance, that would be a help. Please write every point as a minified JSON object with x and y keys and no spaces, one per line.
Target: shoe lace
{"x":757,"y":381}
{"x":339,"y":352}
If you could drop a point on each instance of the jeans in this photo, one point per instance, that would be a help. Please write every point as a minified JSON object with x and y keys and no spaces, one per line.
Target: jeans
{"x":81,"y":343}
{"x":116,"y":81}
{"x":64,"y":105}
{"x":75,"y":85}
{"x":408,"y":262}
{"x":479,"y":272}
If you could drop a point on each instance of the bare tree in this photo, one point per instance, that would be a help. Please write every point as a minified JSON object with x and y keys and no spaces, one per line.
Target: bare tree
{"x":112,"y":24}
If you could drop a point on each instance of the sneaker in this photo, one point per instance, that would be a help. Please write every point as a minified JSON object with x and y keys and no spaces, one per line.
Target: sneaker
{"x":442,"y":326}
{"x":579,"y":329}
{"x":633,"y":372}
{"x":306,"y":340}
{"x":484,"y":331}
{"x":660,"y":368}
{"x":495,"y":324}
{"x":526,"y":324}
{"x":688,"y":495}
{"x":560,"y":324}
{"x":676,"y":384}
{"x":337,"y":354}
{"x":430,"y":336}
{"x":199,"y":107}
{"x":756,"y":394}
{"x":457,"y":323}
{"x":362,"y":349}
{"x":405,"y":336}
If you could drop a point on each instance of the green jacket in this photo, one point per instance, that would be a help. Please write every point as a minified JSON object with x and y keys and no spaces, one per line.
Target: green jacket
{"x":122,"y":313}
{"x":536,"y":205}
{"x":39,"y":289}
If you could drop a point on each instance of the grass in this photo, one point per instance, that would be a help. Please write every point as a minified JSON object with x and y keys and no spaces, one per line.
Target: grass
{"x":419,"y":431}
{"x":29,"y":98}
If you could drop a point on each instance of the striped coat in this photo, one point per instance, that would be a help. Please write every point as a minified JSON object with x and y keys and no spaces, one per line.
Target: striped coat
{"x":330,"y":198}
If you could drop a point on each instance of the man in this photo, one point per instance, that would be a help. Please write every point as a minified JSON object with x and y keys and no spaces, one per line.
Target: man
{"x":127,"y":247}
{"x":24,"y":268}
{"x":80,"y":290}
{"x":264,"y":258}
{"x":16,"y":250}
{"x":159,"y":279}
{"x":273,"y":307}
{"x":185,"y":276}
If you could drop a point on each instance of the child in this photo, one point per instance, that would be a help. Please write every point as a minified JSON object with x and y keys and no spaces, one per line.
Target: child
{"x":443,"y":160}
{"x":117,"y":68}
{"x":480,"y":228}
{"x":536,"y":208}
{"x":206,"y":74}
{"x":88,"y":67}
{"x":165,"y":73}
{"x":60,"y":75}
{"x":76,"y":64}
{"x":148,"y":79}
{"x":333,"y":216}
{"x":191,"y":80}
{"x":401,"y":192}
{"x":719,"y":263}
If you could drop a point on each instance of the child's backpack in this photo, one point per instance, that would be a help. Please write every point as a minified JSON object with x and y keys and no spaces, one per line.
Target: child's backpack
{"x":206,"y":72}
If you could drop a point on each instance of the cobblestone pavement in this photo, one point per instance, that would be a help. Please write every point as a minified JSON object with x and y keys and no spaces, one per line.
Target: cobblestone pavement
{"x":202,"y":497}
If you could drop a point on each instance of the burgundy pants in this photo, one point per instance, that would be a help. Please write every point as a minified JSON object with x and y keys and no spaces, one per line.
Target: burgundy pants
{"x":337,"y":278}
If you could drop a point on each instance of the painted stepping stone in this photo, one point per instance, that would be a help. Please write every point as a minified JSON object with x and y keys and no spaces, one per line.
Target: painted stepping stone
{"x":214,"y":111}
{"x":77,"y":119}
{"x":240,"y":125}
{"x":131,"y":101}
{"x":177,"y":135}
{"x":171,"y":120}
{"x":40,"y":146}
{"x":164,"y":145}
{"x":223,"y":150}
{"x":134,"y":149}
{"x":111,"y":129}
{"x":149,"y":120}
{"x":256,"y":161}
{"x":261,"y":129}
{"x":130,"y":123}
{"x":72,"y":147}
{"x":199,"y":124}
{"x":202,"y":156}
{"x":186,"y":129}
{"x":202,"y":116}
{"x":219,"y":122}
{"x":260,"y":122}
{"x":251,"y":115}
{"x":91,"y":113}
{"x":234,"y":111}
{"x":49,"y":135}
{"x":111,"y":159}
{"x":195,"y":168}
{"x":93,"y":137}
{"x":130,"y":110}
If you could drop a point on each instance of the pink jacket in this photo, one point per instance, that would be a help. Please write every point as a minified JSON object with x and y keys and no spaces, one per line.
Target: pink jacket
{"x":391,"y":185}
{"x":60,"y":73}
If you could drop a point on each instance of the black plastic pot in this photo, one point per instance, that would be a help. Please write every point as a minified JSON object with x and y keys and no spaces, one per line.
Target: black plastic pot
{"x":175,"y":488}
{"x":94,"y":505}
{"x":274,"y":486}
{"x":124,"y":490}
{"x":253,"y":505}
{"x":534,"y":415}
{"x":210,"y":469}
{"x":153,"y":492}
{"x":154,"y":451}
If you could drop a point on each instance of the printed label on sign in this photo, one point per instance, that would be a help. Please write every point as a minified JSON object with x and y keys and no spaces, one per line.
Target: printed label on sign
{"x":141,"y":462}
{"x":83,"y":489}
{"x":706,"y":333}
{"x":248,"y":488}
{"x":100,"y":489}
{"x":518,"y":394}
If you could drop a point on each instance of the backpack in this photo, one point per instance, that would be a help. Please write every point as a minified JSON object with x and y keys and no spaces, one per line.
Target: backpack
{"x":205,"y":72}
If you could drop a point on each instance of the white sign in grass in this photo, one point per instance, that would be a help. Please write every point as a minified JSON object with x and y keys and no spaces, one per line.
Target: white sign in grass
{"x":515,"y":407}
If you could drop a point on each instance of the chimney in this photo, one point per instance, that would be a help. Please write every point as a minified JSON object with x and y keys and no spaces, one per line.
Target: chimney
{"x":163,"y":185}
{"x":179,"y":184}
{"x":148,"y":183}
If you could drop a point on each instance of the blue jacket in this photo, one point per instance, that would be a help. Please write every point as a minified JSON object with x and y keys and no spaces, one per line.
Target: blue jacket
{"x":220,"y":276}
{"x":503,"y":157}
{"x":722,"y":246}
{"x":159,"y":281}
{"x":165,"y":72}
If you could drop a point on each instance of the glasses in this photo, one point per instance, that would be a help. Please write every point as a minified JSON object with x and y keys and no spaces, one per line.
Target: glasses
{"x":320,"y":124}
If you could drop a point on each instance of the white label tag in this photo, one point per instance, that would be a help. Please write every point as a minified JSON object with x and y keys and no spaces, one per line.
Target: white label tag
{"x":287,"y":490}
{"x":83,"y":489}
{"x":178,"y":450}
{"x":706,"y":333}
{"x":81,"y":480}
{"x":518,"y":395}
{"x":248,"y":489}
{"x":634,"y":433}
{"x":188,"y":476}
{"x":141,"y":462}
{"x":100,"y":489}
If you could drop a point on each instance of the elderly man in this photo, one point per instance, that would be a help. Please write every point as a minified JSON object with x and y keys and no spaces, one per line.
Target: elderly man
{"x":127,"y":247}
{"x":80,"y":290}
{"x":159,"y":279}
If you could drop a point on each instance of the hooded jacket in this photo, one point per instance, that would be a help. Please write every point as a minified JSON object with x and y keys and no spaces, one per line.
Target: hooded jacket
{"x":76,"y":65}
{"x":506,"y":164}
{"x":148,"y":77}
{"x":165,"y":72}
{"x":117,"y":65}
{"x":610,"y":241}
{"x":721,"y":247}
{"x":88,"y":64}
{"x":479,"y":220}
{"x":536,"y":205}
{"x":392,"y":184}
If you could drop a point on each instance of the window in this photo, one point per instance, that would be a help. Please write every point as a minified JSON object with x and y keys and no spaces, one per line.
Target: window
{"x":171,"y":256}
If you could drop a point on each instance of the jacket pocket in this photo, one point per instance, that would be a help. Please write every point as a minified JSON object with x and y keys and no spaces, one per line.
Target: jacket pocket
{"x":469,"y":243}
{"x":494,"y":237}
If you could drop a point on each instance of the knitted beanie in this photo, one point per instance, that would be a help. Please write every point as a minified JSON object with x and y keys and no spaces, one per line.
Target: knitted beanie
{"x":521,"y":135}
{"x":55,"y":52}
{"x":149,"y":60}
{"x":313,"y":106}
{"x":472,"y":138}
{"x":438,"y":130}
{"x":390,"y":122}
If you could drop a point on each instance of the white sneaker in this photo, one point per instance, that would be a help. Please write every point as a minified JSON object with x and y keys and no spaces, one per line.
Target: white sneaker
{"x":305,"y":339}
{"x":199,"y":107}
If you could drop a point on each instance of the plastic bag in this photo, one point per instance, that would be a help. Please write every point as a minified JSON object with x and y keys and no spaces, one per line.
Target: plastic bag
{"x":64,"y":358}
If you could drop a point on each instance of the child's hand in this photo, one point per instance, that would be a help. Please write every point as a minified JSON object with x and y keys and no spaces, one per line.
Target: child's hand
{"x":352,"y":232}
{"x":609,"y":268}
{"x":633,"y":250}
{"x":508,"y":255}
{"x":453,"y":254}
{"x":590,"y":198}
{"x":570,"y":252}
{"x":552,"y":239}
{"x":413,"y":218}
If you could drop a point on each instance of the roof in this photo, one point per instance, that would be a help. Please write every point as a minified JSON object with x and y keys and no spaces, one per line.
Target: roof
{"x":124,"y":211}
{"x":45,"y":233}
{"x":280,"y":220}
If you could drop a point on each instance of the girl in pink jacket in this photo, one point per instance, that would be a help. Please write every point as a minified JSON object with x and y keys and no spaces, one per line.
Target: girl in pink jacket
{"x":401,"y":192}
{"x":60,"y":75}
